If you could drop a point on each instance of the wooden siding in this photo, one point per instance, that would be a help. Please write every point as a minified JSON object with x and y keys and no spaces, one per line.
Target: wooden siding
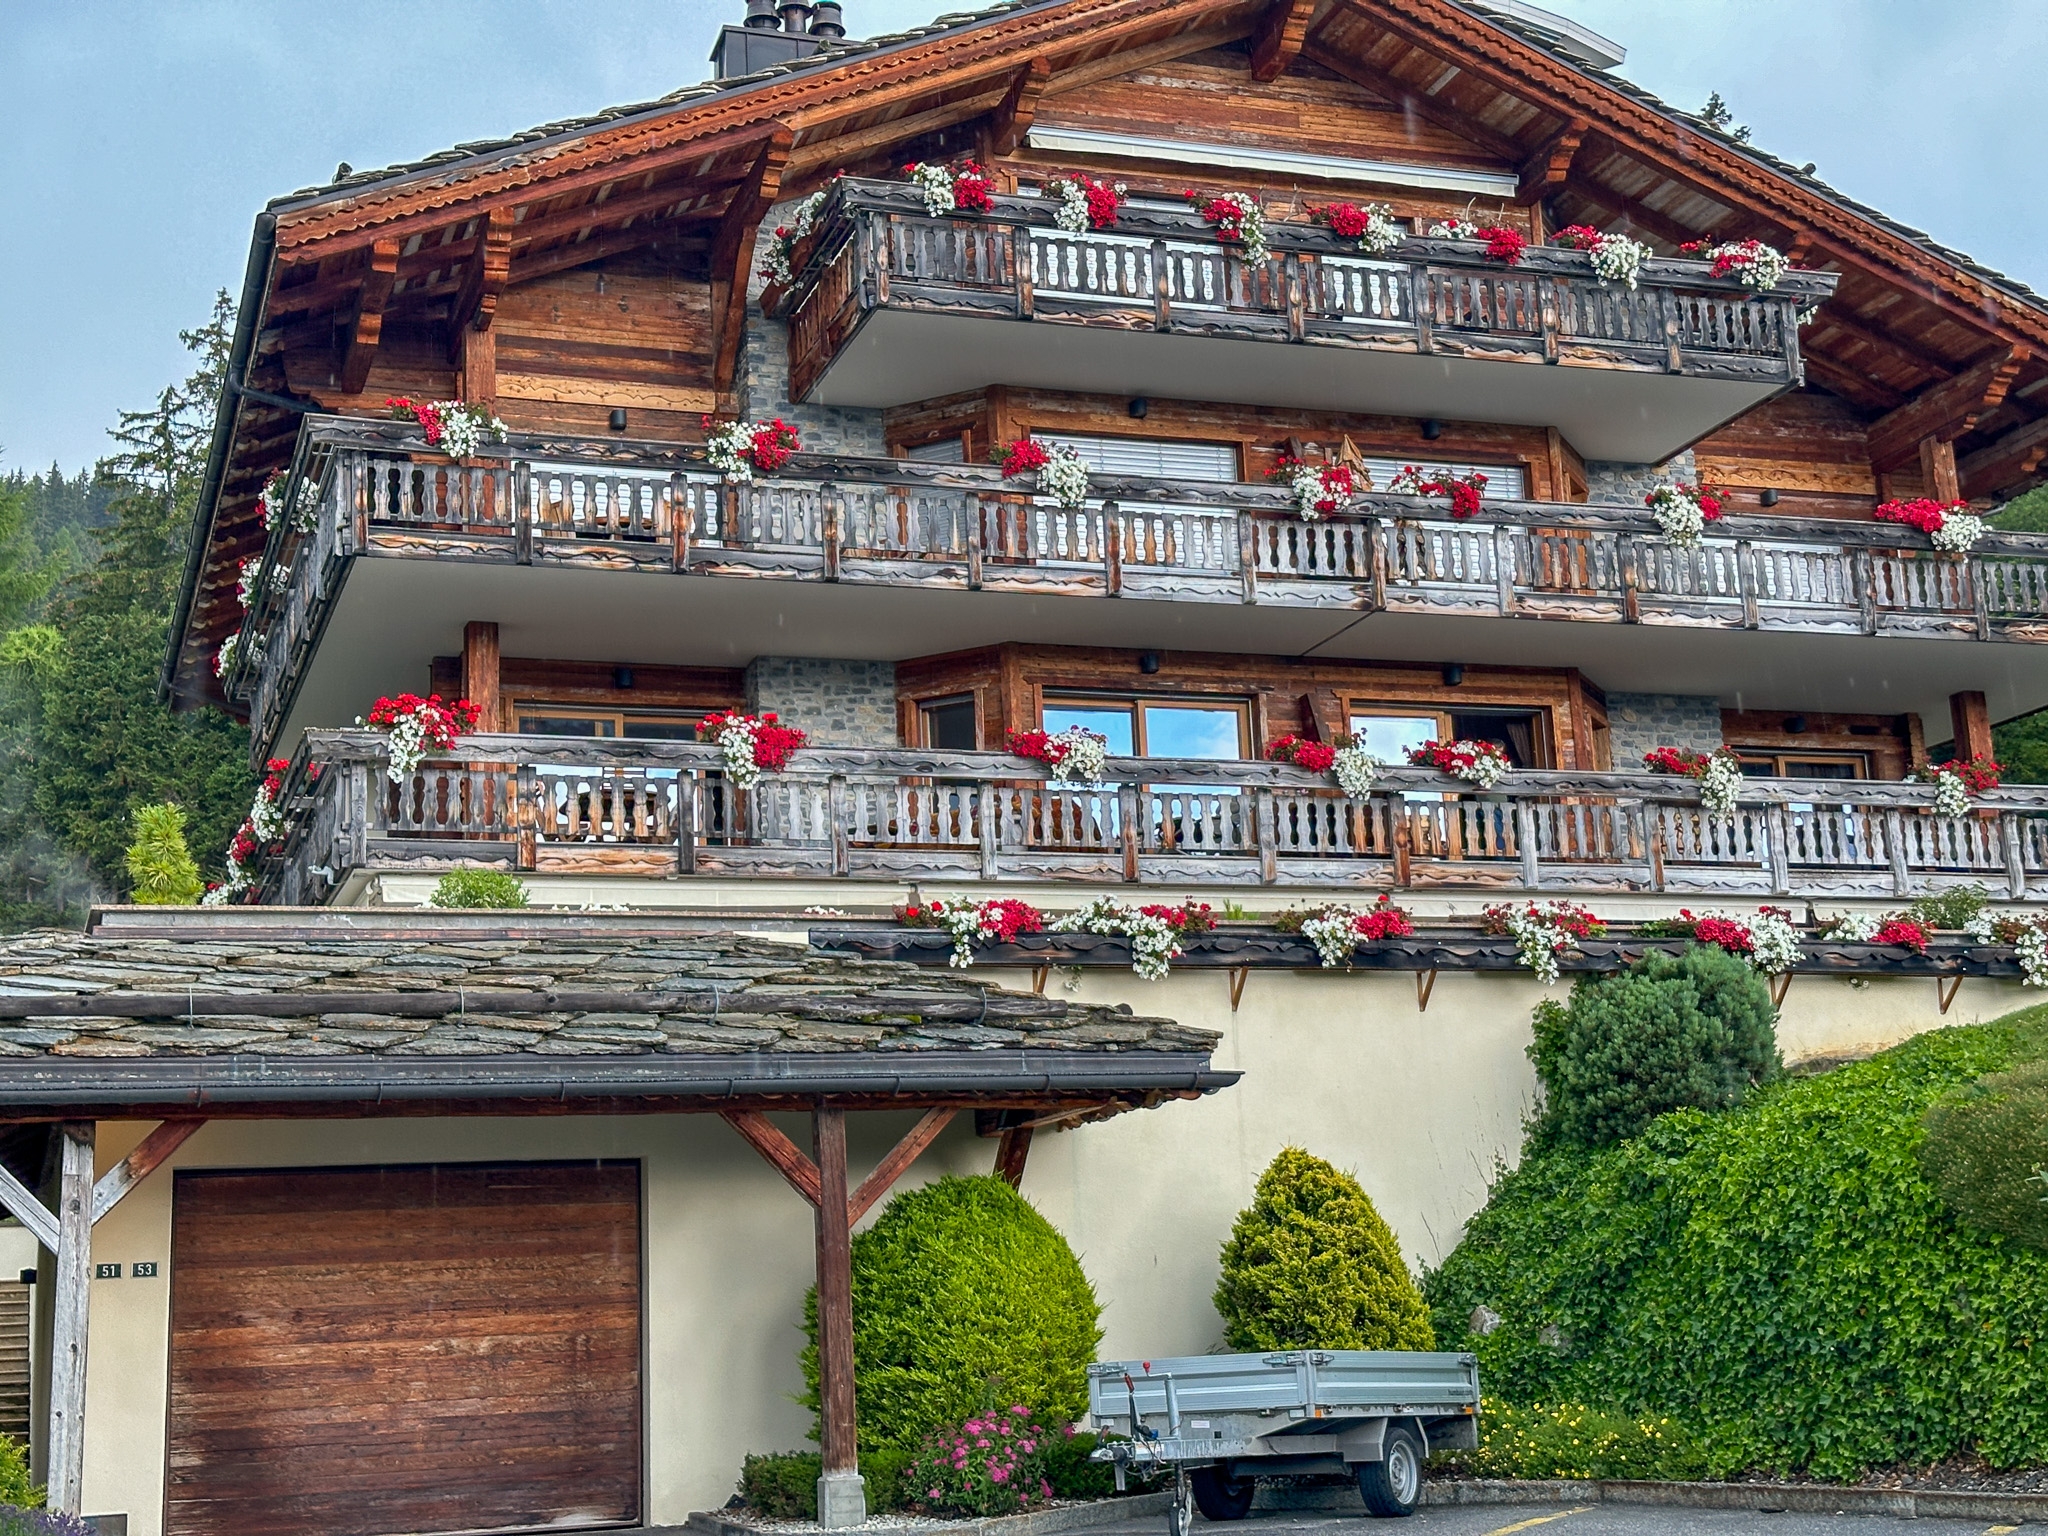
{"x":1811,"y":447}
{"x":536,"y":680}
{"x":374,"y":1350}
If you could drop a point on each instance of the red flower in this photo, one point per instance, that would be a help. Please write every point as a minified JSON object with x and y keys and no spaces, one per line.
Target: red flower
{"x":1008,"y":917}
{"x":1578,"y":237}
{"x":441,"y":722}
{"x":1904,"y":932}
{"x":1315,"y":756}
{"x":1730,"y":935}
{"x":1383,"y":921}
{"x":1676,"y":760}
{"x":1921,"y":513}
{"x":1978,"y":774}
{"x":1188,"y":917}
{"x":1502,"y":244}
{"x":971,"y":188}
{"x":1022,"y":457}
{"x":773,"y":742}
{"x":423,"y":412}
{"x":1346,"y":219}
{"x":772,"y":446}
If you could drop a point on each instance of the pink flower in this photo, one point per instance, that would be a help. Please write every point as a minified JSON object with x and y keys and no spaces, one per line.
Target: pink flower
{"x":999,"y":1474}
{"x":982,"y":1443}
{"x":931,"y":1493}
{"x":1027,"y":1446}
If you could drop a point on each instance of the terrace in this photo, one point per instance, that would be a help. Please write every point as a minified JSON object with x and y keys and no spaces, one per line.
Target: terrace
{"x":666,"y":810}
{"x":956,"y":546}
{"x":889,"y":305}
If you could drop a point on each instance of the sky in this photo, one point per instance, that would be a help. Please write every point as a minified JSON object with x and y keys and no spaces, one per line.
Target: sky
{"x":138,"y":139}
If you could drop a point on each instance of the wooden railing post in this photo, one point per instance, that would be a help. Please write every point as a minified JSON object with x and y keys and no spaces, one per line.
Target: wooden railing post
{"x":1864,"y":566}
{"x":1268,"y":833}
{"x":977,"y":535}
{"x":1419,"y":301}
{"x":687,"y":789}
{"x":1504,"y":568}
{"x":828,"y":520}
{"x":528,"y":815}
{"x":836,"y":810}
{"x":988,"y":825}
{"x":1020,"y":270}
{"x":72,"y":1310}
{"x":1248,"y":556}
{"x":1778,"y":847}
{"x":1745,"y":579}
{"x":2015,"y":855}
{"x":1162,"y":288}
{"x":1895,"y":845}
{"x":1525,"y":839}
{"x":1127,"y":802}
{"x":1112,"y":550}
{"x":679,"y":519}
{"x":1403,"y":838}
{"x":1292,"y":265}
{"x":1631,"y":552}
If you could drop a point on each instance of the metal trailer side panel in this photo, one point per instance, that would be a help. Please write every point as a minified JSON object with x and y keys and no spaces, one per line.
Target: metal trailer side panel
{"x":1292,"y":1384}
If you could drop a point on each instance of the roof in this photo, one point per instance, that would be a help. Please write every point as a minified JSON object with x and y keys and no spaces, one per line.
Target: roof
{"x":206,"y":1008}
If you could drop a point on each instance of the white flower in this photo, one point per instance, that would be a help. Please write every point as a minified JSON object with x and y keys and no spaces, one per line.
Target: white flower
{"x":465,"y":427}
{"x":305,"y":505}
{"x":1079,"y":755}
{"x":1251,"y":224}
{"x":1542,"y":933}
{"x":776,"y":268}
{"x":1618,"y":259}
{"x":2032,"y":949}
{"x":936,"y":183}
{"x":1774,"y":942}
{"x":1951,"y":795}
{"x":407,"y":747}
{"x":1853,"y":927}
{"x":1454,"y":229}
{"x":1334,"y":934}
{"x":1958,"y":532}
{"x":1679,"y":513}
{"x":1064,"y":477}
{"x":266,"y":817}
{"x":1720,"y":784}
{"x":224,"y":658}
{"x":1356,"y":770}
{"x":1758,"y":267}
{"x":1382,"y":230}
{"x":1154,"y":944}
{"x":736,"y":742}
{"x":1312,"y":485}
{"x":1982,"y":926}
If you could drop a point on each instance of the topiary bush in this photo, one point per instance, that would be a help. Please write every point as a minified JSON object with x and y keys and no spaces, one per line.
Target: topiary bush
{"x":478,"y":888}
{"x":161,"y":869}
{"x":1782,"y":1278}
{"x":784,"y":1486}
{"x":1694,"y":1030}
{"x":1985,"y":1150}
{"x":1310,"y":1265}
{"x":1571,"y":1440}
{"x":964,"y":1297}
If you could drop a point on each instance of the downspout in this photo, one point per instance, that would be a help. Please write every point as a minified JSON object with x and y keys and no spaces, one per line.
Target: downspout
{"x":226,"y":417}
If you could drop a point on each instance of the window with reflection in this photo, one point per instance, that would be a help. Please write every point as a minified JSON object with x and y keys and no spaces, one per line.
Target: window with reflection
{"x":1183,"y":815}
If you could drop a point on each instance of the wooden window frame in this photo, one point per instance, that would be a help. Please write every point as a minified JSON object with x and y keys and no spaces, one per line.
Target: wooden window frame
{"x":1860,"y":761}
{"x":1136,"y":702}
{"x":617,"y":717}
{"x":1544,"y":737}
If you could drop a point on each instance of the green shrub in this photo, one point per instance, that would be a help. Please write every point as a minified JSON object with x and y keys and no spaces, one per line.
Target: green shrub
{"x":993,"y":1464}
{"x":1310,"y":1265}
{"x":1952,"y":908}
{"x":964,"y":1297}
{"x":1073,"y":1475}
{"x":784,"y":1486}
{"x":1693,"y":1030}
{"x":1984,"y":1149}
{"x":1782,"y":1278}
{"x":16,"y":1486}
{"x":160,"y":867}
{"x":478,"y":888}
{"x":1568,"y":1440}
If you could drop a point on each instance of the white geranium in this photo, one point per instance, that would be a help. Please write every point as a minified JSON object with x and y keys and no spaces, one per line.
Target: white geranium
{"x":266,"y":816}
{"x":2032,"y":948}
{"x":776,"y":267}
{"x":1356,"y":770}
{"x":1958,"y":533}
{"x":1618,"y":259}
{"x":1077,"y":755}
{"x":464,"y":428}
{"x":407,"y":749}
{"x":1758,"y":267}
{"x":736,"y":744}
{"x":1774,"y":942}
{"x":1064,"y":477}
{"x":1382,"y":230}
{"x":936,"y":183}
{"x":1154,"y":943}
{"x":305,"y":504}
{"x":1681,"y":512}
{"x":1853,"y":927}
{"x":1721,"y":783}
{"x":224,"y":658}
{"x":1454,"y":228}
{"x":1334,"y":932}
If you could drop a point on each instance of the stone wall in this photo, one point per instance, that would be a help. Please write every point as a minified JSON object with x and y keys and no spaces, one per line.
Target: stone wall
{"x":836,"y":703}
{"x":764,"y":376}
{"x":1616,"y":485}
{"x":1636,"y":722}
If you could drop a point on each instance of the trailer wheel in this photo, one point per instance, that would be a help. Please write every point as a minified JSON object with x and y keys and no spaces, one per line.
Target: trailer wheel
{"x":1393,"y":1485}
{"x":1220,"y":1497}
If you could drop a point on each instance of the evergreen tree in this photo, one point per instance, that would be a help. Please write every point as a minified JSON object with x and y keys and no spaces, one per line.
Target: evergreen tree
{"x":160,"y":866}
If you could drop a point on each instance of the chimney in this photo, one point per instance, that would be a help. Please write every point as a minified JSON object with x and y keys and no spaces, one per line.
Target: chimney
{"x":775,"y":32}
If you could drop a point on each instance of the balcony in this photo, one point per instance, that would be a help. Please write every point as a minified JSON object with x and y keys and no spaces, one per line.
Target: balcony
{"x":902,"y":559}
{"x":663,"y":809}
{"x":891,"y":305}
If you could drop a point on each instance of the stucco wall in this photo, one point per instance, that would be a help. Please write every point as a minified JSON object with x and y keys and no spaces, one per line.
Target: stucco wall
{"x":1421,"y":1105}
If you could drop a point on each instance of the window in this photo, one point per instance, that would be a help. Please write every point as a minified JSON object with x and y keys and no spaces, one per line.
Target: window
{"x":1218,"y":730}
{"x":1387,"y":732}
{"x":1159,"y":458}
{"x":1504,"y":482}
{"x":1805,"y":765}
{"x":950,"y":725}
{"x":586,"y":724}
{"x":947,"y":450}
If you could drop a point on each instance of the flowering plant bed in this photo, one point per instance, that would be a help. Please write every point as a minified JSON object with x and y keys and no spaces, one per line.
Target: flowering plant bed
{"x":224,"y":658}
{"x":1373,"y":226}
{"x":1085,"y":203}
{"x":787,"y":237}
{"x":1542,"y":931}
{"x":306,"y":512}
{"x":1719,"y":773}
{"x":2026,"y":932}
{"x":264,"y":827}
{"x":1897,"y":928}
{"x":1948,"y":527}
{"x":752,"y":744}
{"x":1061,"y":473}
{"x":997,"y":921}
{"x":1768,"y":941}
{"x":1955,"y":783}
{"x":415,"y":724}
{"x":1319,"y":490}
{"x":993,"y":1464}
{"x":1356,"y":769}
{"x":946,"y":190}
{"x":1075,"y":755}
{"x":1683,"y":511}
{"x":1236,"y":217}
{"x":1463,"y":490}
{"x":1154,"y":931}
{"x":1337,"y":930}
{"x":1476,"y":762}
{"x":741,"y":449}
{"x":1758,"y":267}
{"x":455,"y":428}
{"x":1616,"y":258}
{"x":1503,"y":244}
{"x":245,"y":579}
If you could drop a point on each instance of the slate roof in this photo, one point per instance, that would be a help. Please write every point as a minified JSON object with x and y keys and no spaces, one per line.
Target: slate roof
{"x":835,"y":51}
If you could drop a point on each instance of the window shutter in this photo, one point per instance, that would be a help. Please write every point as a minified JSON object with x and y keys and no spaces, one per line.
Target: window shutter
{"x":1150,"y":457}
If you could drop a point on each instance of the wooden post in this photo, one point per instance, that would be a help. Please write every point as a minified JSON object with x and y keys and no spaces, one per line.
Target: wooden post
{"x":480,"y":671}
{"x":1011,"y":1152}
{"x":1971,"y":717}
{"x":72,"y":1306}
{"x":839,"y":1489}
{"x":1938,"y":470}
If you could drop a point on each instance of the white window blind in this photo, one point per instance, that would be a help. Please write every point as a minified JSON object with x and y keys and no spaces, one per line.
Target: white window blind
{"x":1504,"y":482}
{"x":1153,"y":457}
{"x":947,"y":450}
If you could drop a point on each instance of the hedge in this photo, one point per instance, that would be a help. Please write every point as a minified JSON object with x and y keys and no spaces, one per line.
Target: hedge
{"x":1987,"y":1153}
{"x":1782,"y":1277}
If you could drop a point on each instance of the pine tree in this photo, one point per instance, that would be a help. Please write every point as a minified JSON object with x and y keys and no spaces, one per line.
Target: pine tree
{"x":160,"y":866}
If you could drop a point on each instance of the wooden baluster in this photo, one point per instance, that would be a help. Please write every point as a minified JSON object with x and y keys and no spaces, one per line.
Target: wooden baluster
{"x":1895,"y":844}
{"x":1266,"y":829}
{"x":1248,"y":556}
{"x":1127,"y":801}
{"x":1778,"y":847}
{"x":2015,"y":855}
{"x":1112,"y":550}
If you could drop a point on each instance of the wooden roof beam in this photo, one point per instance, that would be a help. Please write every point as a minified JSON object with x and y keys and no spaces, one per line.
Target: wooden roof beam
{"x":1613,"y":205}
{"x":366,"y":327}
{"x":477,"y":302}
{"x":1945,"y":412}
{"x":1278,"y":42}
{"x":1012,"y":119}
{"x":1414,"y":99}
{"x":2009,"y":465}
{"x":1851,"y":383}
{"x":1547,"y":170}
{"x":732,"y":252}
{"x":1859,"y":330}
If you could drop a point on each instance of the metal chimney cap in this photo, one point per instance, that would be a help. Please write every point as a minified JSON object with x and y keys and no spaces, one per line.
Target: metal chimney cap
{"x":827,"y":19}
{"x":761,"y":14}
{"x":796,"y":16}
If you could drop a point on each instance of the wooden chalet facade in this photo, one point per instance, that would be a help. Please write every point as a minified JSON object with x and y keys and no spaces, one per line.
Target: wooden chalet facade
{"x":596,"y":587}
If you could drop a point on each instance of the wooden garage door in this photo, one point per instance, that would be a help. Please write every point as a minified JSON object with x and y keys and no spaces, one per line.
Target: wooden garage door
{"x":363,"y":1351}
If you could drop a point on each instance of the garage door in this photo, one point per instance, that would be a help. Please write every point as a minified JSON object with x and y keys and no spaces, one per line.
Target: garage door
{"x":363,"y":1351}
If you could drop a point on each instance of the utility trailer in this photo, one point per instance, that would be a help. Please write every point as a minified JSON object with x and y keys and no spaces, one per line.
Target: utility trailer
{"x":1219,"y":1422}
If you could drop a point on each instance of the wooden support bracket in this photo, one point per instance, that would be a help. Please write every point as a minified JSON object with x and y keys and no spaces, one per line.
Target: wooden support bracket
{"x":732,"y":251}
{"x":1945,"y":990}
{"x":1278,"y":42}
{"x":897,"y":1163}
{"x":1039,"y":976}
{"x":1425,"y":983}
{"x":1239,"y":975}
{"x":783,"y":1155}
{"x":149,"y":1155}
{"x":365,"y":327}
{"x":1545,"y":171}
{"x":789,"y":1160}
{"x":1012,"y":119}
{"x":1011,"y":1152}
{"x":1780,"y":985}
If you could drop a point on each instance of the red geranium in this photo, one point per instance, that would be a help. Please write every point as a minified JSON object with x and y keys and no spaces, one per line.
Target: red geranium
{"x":440,"y":722}
{"x":1729,"y":934}
{"x":1006,"y":917}
{"x":1502,"y":244}
{"x":1383,"y":920}
{"x":1978,"y":774}
{"x":772,"y":446}
{"x":1464,"y":490}
{"x":1902,"y":931}
{"x":242,"y":847}
{"x":1577,"y":237}
{"x":972,"y":187}
{"x":773,"y":741}
{"x":1676,"y":760}
{"x":1022,"y":457}
{"x":1315,"y":756}
{"x":1921,"y":513}
{"x":1188,"y":917}
{"x":422,"y":411}
{"x":1346,"y":219}
{"x":273,"y":776}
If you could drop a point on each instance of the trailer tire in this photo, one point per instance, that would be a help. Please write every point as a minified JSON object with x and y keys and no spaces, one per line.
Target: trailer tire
{"x":1221,"y":1497}
{"x":1392,"y":1486}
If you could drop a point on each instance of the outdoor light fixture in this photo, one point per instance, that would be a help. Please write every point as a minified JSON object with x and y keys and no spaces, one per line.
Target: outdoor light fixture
{"x":1454,"y":674}
{"x":1432,"y":429}
{"x":1795,"y":725}
{"x":618,"y":418}
{"x":1139,"y":407}
{"x":1769,"y":498}
{"x":1149,"y":663}
{"x":622,"y":677}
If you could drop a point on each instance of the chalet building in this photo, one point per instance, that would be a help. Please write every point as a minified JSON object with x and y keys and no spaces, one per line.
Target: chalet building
{"x":1544,"y":299}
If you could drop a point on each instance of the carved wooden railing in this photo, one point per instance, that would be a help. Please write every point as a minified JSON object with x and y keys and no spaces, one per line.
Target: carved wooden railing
{"x":876,"y":247}
{"x":603,"y":504}
{"x":666,"y":809}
